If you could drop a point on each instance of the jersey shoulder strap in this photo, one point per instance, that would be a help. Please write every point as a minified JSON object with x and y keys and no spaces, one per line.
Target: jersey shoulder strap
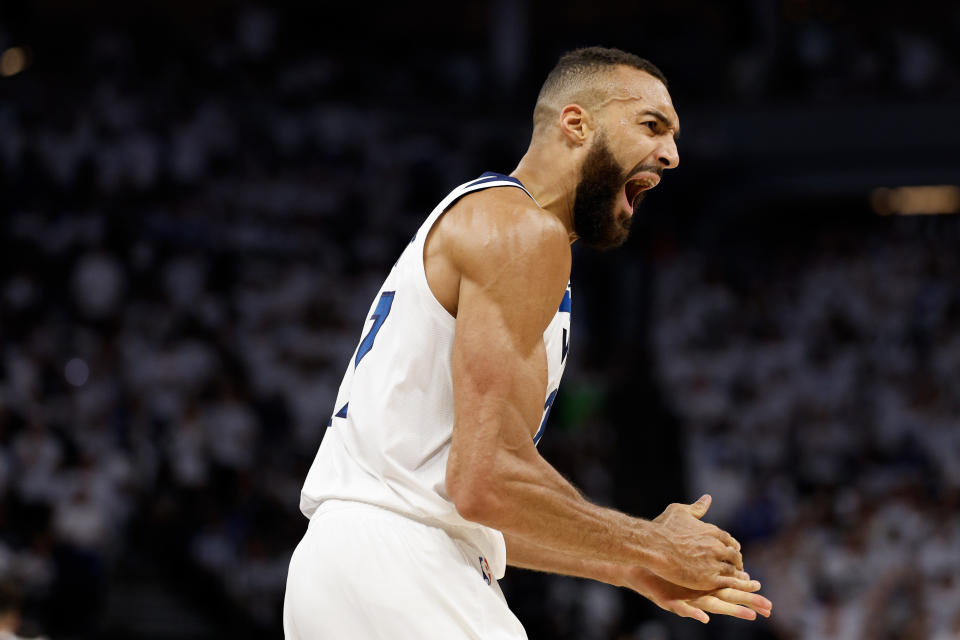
{"x":487,"y":180}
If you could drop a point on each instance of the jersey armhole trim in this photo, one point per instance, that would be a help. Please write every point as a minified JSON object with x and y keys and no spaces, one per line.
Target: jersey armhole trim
{"x":431,"y":304}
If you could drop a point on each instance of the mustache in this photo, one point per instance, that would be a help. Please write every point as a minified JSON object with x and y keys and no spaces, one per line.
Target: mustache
{"x":652,"y":168}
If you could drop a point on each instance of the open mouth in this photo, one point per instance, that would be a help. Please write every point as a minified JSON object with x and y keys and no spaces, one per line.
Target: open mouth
{"x":638,"y":184}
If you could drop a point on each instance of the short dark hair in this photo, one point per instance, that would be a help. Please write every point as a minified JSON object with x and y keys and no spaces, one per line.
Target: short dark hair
{"x":589,"y":60}
{"x":575,"y":69}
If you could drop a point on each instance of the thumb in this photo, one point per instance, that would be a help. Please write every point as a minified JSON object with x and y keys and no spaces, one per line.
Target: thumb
{"x":699,"y":508}
{"x":686,"y":610}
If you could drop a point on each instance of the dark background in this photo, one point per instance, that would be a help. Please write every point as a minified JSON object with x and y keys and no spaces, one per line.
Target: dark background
{"x":199,"y":200}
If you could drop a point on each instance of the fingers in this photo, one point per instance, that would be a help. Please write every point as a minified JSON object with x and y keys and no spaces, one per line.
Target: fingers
{"x":731,"y":547}
{"x":752,"y":600}
{"x":730,"y":582}
{"x":730,"y":542}
{"x":729,"y":559}
{"x":732,"y":557}
{"x":699,"y":508}
{"x":686,"y":610}
{"x":716,"y":605}
{"x":726,"y":538}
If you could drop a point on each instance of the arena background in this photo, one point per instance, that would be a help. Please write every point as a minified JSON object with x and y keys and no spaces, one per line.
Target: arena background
{"x":199,"y":200}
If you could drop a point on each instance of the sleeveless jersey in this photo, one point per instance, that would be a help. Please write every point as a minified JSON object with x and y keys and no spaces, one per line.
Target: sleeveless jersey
{"x":389,"y":438}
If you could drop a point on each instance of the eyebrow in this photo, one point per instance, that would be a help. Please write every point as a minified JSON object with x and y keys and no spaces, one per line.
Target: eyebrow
{"x":664,"y":120}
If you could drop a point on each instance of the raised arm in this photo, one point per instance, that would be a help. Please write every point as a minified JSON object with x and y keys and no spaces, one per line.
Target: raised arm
{"x":513,"y":265}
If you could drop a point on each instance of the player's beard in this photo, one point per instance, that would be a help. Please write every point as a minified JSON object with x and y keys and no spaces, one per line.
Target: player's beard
{"x":596,"y":218}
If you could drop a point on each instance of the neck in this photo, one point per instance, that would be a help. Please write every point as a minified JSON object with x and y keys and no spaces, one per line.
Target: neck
{"x":553,"y":190}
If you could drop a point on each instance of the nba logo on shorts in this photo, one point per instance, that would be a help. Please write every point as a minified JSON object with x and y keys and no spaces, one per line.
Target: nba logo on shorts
{"x":485,"y":570}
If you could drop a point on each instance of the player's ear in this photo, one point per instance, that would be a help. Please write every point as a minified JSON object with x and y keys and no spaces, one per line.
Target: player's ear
{"x":575,"y":123}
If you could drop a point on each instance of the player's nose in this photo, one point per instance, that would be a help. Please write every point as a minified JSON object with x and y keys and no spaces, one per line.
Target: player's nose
{"x":667,"y":154}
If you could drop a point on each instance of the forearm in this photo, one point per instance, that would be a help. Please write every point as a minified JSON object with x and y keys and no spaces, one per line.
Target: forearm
{"x":511,"y":488}
{"x":525,"y":554}
{"x":531,"y":501}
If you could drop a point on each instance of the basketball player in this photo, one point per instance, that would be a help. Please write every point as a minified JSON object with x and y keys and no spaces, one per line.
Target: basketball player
{"x":428,"y":481}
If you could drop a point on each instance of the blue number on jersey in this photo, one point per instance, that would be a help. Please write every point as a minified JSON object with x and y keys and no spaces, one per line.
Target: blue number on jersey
{"x":379,"y":315}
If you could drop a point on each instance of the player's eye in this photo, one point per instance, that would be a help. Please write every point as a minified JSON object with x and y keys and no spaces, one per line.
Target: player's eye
{"x":652,"y":124}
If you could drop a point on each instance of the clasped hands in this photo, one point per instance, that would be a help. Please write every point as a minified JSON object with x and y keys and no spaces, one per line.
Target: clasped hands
{"x":701,"y":569}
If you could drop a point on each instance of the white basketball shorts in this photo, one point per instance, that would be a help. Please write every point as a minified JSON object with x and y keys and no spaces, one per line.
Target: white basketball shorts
{"x":362,"y":572}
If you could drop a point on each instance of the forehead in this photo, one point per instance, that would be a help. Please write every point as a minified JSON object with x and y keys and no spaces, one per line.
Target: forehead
{"x":633,"y":89}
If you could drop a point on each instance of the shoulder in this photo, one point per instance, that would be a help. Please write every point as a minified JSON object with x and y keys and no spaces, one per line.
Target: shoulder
{"x":510,"y":255}
{"x":504,"y":226}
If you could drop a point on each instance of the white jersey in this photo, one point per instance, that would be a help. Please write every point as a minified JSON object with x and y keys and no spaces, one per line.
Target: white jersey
{"x":388,"y":441}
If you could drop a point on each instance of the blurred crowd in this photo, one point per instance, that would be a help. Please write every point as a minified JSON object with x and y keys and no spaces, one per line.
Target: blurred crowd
{"x":821,"y":394}
{"x":185,"y":262}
